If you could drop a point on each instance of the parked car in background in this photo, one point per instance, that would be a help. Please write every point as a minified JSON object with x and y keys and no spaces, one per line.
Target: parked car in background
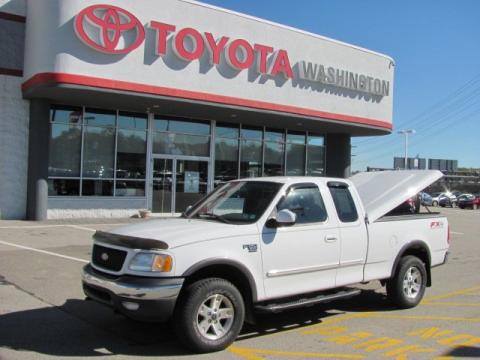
{"x":446,"y":201}
{"x":425,"y":199}
{"x":468,"y":201}
{"x":443,"y":199}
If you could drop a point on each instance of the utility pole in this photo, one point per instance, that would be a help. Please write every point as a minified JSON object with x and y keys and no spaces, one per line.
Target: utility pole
{"x":406,"y":132}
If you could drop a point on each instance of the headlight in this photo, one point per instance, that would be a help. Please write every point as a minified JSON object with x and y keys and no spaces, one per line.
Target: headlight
{"x":151,"y":262}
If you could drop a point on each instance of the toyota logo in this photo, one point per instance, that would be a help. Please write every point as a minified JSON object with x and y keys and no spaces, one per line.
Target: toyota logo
{"x":109,"y":29}
{"x":104,"y":256}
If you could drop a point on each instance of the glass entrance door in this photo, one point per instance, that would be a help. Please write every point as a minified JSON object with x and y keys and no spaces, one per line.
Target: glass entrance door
{"x":178,"y":183}
{"x":162,"y":190}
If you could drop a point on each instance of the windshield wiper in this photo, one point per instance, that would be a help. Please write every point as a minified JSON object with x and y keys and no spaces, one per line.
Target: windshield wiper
{"x":215,"y":217}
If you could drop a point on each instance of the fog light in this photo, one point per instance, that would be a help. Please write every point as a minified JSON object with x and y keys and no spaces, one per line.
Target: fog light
{"x":130,"y":305}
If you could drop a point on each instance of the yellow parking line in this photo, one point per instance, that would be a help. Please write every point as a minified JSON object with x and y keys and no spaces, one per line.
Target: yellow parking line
{"x":425,"y":317}
{"x":253,"y":354}
{"x":459,"y":304}
{"x":451,"y":294}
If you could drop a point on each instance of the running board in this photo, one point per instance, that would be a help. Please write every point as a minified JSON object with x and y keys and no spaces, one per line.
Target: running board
{"x":276,"y":307}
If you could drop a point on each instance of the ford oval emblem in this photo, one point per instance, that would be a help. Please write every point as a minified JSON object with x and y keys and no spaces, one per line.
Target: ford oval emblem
{"x":104,"y":256}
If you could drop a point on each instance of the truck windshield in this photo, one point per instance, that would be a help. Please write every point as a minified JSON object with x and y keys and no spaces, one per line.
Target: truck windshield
{"x":237,"y":202}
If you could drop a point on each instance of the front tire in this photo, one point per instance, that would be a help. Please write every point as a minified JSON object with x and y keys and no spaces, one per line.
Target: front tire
{"x":435,"y":203}
{"x":407,"y":287}
{"x":209,"y":315}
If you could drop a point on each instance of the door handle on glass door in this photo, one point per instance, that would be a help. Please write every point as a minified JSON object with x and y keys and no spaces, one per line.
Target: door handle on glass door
{"x":330,"y":238}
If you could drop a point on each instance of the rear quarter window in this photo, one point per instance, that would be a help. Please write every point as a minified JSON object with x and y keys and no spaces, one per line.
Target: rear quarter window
{"x":344,"y":204}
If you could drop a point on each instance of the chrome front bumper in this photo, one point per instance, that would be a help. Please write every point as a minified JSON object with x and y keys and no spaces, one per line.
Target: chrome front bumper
{"x":154,"y":298}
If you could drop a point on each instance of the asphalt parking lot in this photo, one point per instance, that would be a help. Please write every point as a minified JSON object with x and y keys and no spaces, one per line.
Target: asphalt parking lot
{"x":43,"y":314}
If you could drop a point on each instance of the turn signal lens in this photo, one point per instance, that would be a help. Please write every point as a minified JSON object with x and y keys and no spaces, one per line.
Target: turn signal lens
{"x":162,"y":263}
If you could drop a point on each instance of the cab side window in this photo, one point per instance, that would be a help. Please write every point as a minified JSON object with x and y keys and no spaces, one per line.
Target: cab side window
{"x":346,"y":210}
{"x":306,"y":203}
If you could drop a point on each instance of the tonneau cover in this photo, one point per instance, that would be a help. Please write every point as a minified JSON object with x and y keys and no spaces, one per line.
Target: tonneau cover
{"x":383,"y":191}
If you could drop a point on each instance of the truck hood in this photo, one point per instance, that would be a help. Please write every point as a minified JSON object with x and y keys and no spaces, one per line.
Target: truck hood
{"x":383,"y":191}
{"x":175,"y":232}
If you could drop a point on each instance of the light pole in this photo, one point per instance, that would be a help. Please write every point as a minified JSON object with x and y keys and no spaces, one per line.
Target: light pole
{"x":406,"y":132}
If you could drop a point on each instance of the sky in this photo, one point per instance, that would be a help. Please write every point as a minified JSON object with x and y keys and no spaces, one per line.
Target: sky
{"x":436,"y":48}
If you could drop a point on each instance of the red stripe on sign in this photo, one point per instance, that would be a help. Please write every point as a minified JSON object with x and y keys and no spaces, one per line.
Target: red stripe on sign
{"x":11,"y":72}
{"x":12,"y":17}
{"x":62,"y":78}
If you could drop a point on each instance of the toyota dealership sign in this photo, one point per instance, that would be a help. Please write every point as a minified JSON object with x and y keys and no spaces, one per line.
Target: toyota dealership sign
{"x":194,"y":51}
{"x":104,"y":27}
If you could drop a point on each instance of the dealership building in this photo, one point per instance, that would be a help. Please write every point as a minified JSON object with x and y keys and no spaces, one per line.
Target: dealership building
{"x":112,"y":106}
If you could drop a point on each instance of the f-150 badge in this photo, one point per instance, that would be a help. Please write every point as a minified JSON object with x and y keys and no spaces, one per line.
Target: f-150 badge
{"x":250,"y":247}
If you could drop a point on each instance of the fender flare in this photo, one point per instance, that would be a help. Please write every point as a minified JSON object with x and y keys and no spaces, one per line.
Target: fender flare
{"x":228,"y":262}
{"x":416,"y":244}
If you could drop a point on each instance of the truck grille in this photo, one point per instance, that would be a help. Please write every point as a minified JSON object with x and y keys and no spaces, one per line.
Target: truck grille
{"x":108,"y":258}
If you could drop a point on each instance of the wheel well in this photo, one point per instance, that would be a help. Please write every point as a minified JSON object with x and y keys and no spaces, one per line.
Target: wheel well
{"x":232,"y":274}
{"x":420,"y":252}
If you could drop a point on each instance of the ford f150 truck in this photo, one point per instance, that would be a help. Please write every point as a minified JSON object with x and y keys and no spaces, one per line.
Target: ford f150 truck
{"x":268,"y":244}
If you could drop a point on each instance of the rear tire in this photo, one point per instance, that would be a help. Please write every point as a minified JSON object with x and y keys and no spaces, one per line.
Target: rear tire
{"x":209,"y":315}
{"x":407,"y":287}
{"x":435,"y":203}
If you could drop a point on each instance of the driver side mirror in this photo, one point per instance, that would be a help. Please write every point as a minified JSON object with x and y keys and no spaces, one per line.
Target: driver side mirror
{"x":284,"y":217}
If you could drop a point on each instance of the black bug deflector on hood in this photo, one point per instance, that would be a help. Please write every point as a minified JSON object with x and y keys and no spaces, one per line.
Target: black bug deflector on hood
{"x":131,"y":242}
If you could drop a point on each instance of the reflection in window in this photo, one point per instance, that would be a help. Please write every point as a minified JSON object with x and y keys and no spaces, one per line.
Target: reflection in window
{"x":131,"y":154}
{"x":66,"y":114}
{"x":227,"y":131}
{"x":306,"y":203}
{"x":226,"y":160}
{"x":344,"y":204}
{"x":130,"y":188}
{"x":274,"y":153}
{"x":132,"y":121}
{"x":182,"y":126}
{"x":251,"y":159}
{"x":315,"y":155}
{"x":251,"y":133}
{"x":97,"y":117}
{"x":64,"y":151}
{"x":63,"y":187}
{"x":97,"y":188}
{"x":98,"y":152}
{"x":295,"y":153}
{"x":181,"y":144}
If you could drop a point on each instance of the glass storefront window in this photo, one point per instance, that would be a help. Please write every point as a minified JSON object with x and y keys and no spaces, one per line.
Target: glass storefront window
{"x":274,"y":153}
{"x":94,"y":134}
{"x":295,"y":153}
{"x":315,"y":155}
{"x":98,"y":152}
{"x":131,"y":154}
{"x":97,"y":117}
{"x":251,"y":133}
{"x":251,"y":159}
{"x":181,"y":144}
{"x":230,"y":131}
{"x":274,"y":159}
{"x":129,"y":188}
{"x":182,"y":126}
{"x":97,"y":187}
{"x":132,"y":121}
{"x":64,"y":151}
{"x":66,"y":114}
{"x":63,"y":187}
{"x":226,"y":160}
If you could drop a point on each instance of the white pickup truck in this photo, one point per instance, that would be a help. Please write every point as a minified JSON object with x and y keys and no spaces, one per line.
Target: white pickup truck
{"x":269,"y":244}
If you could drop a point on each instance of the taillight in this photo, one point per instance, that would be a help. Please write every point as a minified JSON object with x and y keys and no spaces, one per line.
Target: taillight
{"x":448,"y":236}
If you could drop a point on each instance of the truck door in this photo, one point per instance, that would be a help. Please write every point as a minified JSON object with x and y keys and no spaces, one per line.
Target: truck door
{"x":353,"y":234}
{"x":303,"y":257}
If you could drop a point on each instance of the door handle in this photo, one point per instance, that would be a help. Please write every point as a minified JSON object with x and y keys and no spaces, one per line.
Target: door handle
{"x":330,"y":238}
